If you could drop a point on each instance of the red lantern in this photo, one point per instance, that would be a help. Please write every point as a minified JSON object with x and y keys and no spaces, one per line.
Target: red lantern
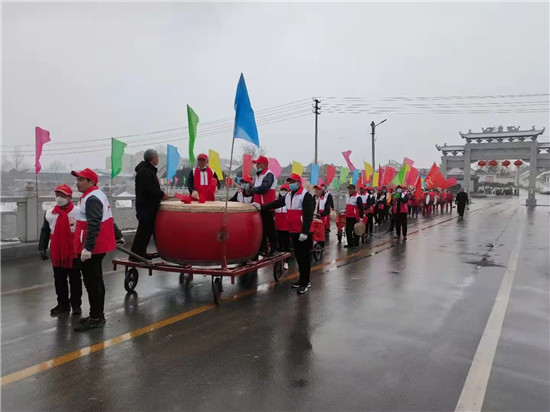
{"x":493,"y":163}
{"x":518,"y":163}
{"x":506,"y":163}
{"x":482,"y":163}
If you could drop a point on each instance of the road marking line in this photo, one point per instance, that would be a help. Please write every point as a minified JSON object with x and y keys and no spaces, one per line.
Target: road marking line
{"x":68,"y":357}
{"x":475,"y":386}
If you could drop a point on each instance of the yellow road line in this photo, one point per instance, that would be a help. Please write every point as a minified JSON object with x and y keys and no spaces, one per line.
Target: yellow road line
{"x":60,"y":360}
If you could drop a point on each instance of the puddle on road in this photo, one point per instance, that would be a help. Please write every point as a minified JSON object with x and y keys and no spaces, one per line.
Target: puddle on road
{"x":484,"y":263}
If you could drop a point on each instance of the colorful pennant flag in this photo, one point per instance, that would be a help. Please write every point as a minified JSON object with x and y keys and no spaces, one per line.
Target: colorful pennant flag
{"x":192,"y":122}
{"x":376,"y":179}
{"x":247,"y":164}
{"x":297,"y":168}
{"x":408,"y":161}
{"x":245,"y":123}
{"x":389,"y":174}
{"x":117,"y":153}
{"x":413,"y":176}
{"x":42,"y":137}
{"x":275,"y":167}
{"x":331,"y":172}
{"x":435,"y":178}
{"x":172,"y":162}
{"x":215,"y":164}
{"x":418,"y":189}
{"x":380,"y":176}
{"x":344,"y":173}
{"x":346,"y":155}
{"x":450,"y":182}
{"x":399,"y":178}
{"x":313,"y":173}
{"x":368,"y":170}
{"x":355,"y":176}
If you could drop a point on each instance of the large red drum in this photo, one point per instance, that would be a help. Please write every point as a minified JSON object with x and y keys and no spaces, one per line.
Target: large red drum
{"x":191,"y":233}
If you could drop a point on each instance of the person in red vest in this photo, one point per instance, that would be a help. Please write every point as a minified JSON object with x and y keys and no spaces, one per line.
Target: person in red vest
{"x":369,"y":204}
{"x":281,"y":223}
{"x":94,"y":237}
{"x":400,"y":210}
{"x":328,"y":206}
{"x":242,"y":195}
{"x":264,"y":192}
{"x":413,"y":204}
{"x":354,"y":212}
{"x":58,"y":230}
{"x":200,"y":180}
{"x":300,"y":206}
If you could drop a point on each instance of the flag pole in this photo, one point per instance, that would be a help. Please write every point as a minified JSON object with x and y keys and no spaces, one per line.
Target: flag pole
{"x":223,"y":232}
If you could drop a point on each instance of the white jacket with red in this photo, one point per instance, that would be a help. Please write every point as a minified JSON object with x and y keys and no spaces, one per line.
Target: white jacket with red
{"x":94,"y":224}
{"x":300,"y":206}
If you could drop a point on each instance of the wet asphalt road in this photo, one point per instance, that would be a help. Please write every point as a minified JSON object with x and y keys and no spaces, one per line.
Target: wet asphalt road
{"x":389,"y":326}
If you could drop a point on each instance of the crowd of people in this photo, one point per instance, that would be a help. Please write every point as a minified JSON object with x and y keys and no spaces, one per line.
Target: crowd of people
{"x":79,"y":236}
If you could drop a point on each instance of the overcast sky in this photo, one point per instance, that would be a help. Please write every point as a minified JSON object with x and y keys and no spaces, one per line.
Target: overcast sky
{"x":95,"y":70}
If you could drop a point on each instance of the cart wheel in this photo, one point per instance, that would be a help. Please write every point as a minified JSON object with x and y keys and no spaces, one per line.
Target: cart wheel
{"x":278,"y":270}
{"x":317,"y":251}
{"x":131,"y":279}
{"x":217,"y":290}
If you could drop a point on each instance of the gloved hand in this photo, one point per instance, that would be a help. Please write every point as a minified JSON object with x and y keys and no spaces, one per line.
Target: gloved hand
{"x":302,"y":238}
{"x":120,"y":241}
{"x":44,"y":255}
{"x":257,"y":206}
{"x":85,"y":255}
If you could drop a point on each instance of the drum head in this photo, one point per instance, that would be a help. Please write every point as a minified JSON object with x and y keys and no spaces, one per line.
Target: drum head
{"x":359,"y":228}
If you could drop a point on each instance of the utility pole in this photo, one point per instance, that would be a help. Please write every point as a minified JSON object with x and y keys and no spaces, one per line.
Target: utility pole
{"x":373,"y":128}
{"x":317,"y":111}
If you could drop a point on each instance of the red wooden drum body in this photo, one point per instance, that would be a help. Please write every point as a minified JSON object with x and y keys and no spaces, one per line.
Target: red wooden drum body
{"x":190,"y":233}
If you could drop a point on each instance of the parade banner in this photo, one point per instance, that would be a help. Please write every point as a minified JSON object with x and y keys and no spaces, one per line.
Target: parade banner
{"x":346,"y":155}
{"x":172,"y":162}
{"x":42,"y":137}
{"x":450,"y":182}
{"x":400,"y":177}
{"x":413,"y":176}
{"x":245,"y":123}
{"x":247,"y":164}
{"x":192,"y":122}
{"x":297,"y":168}
{"x":117,"y":152}
{"x":331,"y":172}
{"x":435,"y":178}
{"x":313,"y":173}
{"x":275,"y":167}
{"x":418,"y":189}
{"x":215,"y":164}
{"x":389,"y":174}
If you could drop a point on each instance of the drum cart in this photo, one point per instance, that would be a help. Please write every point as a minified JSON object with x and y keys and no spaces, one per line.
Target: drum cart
{"x":131,"y":274}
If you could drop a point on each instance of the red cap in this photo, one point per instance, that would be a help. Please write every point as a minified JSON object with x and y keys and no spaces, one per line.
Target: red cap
{"x":261,"y":159}
{"x":317,"y":187}
{"x":296,"y":177}
{"x":285,"y":187}
{"x":202,"y":156}
{"x":246,"y":179}
{"x":86,"y":173}
{"x":370,"y":188}
{"x":66,"y":189}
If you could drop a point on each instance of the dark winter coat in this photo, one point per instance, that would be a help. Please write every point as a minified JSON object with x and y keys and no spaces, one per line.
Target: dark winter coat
{"x":148,"y":193}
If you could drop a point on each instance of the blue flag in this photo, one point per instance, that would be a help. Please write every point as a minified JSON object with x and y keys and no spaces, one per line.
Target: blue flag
{"x":313,"y":174}
{"x":172,"y":161}
{"x":245,"y":124}
{"x":355,"y":176}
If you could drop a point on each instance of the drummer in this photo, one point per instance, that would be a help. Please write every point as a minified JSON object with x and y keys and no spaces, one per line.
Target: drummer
{"x":243,"y":194}
{"x":200,"y":179}
{"x":264,"y":192}
{"x":300,"y":206}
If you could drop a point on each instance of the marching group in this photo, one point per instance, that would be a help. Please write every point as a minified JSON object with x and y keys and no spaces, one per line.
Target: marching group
{"x":79,"y":236}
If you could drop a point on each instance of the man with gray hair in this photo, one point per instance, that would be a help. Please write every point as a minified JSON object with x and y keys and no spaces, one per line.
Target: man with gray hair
{"x":148,"y":198}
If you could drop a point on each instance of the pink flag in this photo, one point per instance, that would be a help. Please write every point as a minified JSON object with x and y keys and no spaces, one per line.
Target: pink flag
{"x":175,"y":179}
{"x":247,"y":164}
{"x":380,"y":176}
{"x":389,"y":174}
{"x":346,"y":155}
{"x":331,"y":172}
{"x":42,"y":137}
{"x":320,"y":181}
{"x":169,"y":182}
{"x":408,"y":161}
{"x":413,"y":176}
{"x":275,"y":167}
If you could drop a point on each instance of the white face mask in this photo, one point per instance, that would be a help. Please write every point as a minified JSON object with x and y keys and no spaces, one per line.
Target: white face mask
{"x":61,"y":201}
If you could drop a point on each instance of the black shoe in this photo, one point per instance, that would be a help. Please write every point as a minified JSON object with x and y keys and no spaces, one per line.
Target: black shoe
{"x":404,"y":237}
{"x":77,"y":310}
{"x":302,"y":290}
{"x":58,"y":310}
{"x":295,"y":284}
{"x":90,"y":324}
{"x":396,"y":236}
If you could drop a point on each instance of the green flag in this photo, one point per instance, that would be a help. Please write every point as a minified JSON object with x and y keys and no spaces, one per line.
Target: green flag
{"x":399,"y":178}
{"x":344,"y":173}
{"x":117,"y":151}
{"x":192,"y":120}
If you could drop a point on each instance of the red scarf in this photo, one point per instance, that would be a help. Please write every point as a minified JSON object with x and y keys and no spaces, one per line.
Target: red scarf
{"x":61,"y":247}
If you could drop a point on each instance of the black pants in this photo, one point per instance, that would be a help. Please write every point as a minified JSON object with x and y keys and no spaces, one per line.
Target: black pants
{"x":302,"y":252}
{"x":145,"y":229}
{"x":283,"y":240}
{"x":401,"y":224}
{"x":270,"y":234}
{"x":370,"y":223}
{"x":392,"y":223}
{"x":414,"y":211}
{"x":461,"y":207}
{"x":353,"y":239}
{"x":92,"y":273}
{"x":62,"y":289}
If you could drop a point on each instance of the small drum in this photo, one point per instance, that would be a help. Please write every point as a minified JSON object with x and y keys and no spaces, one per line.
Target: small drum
{"x":360,"y":228}
{"x":318,"y":230}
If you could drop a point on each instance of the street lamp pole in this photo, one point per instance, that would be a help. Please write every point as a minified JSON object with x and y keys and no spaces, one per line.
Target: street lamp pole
{"x":373,"y":128}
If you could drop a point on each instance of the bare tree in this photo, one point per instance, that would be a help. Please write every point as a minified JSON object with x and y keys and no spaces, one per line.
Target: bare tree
{"x":253,"y":150}
{"x":18,"y":158}
{"x":7,"y":164}
{"x":57,"y":166}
